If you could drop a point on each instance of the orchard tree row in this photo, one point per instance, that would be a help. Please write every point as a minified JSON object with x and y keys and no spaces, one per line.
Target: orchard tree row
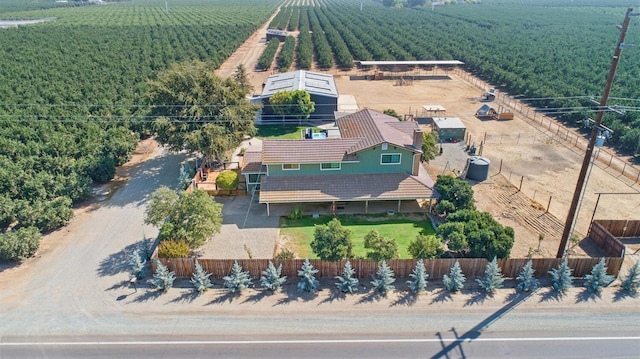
{"x":74,"y":95}
{"x":556,"y":54}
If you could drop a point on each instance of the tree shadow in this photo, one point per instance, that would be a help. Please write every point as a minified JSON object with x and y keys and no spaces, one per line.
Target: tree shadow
{"x":336,"y":295}
{"x":477,"y":330}
{"x":149,"y":294}
{"x":259,"y":294}
{"x":550,"y":295}
{"x":119,"y":262}
{"x":621,"y":294}
{"x":408,"y":299}
{"x":477,"y":298}
{"x":587,"y":296}
{"x":5,"y":265}
{"x":120,"y":285}
{"x":227,"y":297}
{"x":442,"y":296}
{"x":186,"y":297}
{"x":370,"y":297}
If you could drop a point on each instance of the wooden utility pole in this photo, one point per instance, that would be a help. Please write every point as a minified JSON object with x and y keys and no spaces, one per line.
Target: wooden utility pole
{"x":577,"y":194}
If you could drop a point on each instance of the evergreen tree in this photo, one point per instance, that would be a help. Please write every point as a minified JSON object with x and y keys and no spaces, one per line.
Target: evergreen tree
{"x":163,"y":279}
{"x":632,"y":281}
{"x":200,"y":279}
{"x":138,"y":264}
{"x":308,"y":282}
{"x":239,"y":280}
{"x":493,"y":277}
{"x":272,"y":277}
{"x":419,"y":275}
{"x":561,"y":277}
{"x":383,"y":283}
{"x":455,"y":280}
{"x":526,"y":281}
{"x":598,"y":278}
{"x":185,"y":177}
{"x":347,"y":283}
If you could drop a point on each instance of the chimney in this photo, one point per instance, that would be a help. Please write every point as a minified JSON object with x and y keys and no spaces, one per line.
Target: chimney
{"x":417,"y":139}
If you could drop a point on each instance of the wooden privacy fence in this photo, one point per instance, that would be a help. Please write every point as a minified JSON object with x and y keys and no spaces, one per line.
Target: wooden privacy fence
{"x":606,"y":233}
{"x":471,"y":267}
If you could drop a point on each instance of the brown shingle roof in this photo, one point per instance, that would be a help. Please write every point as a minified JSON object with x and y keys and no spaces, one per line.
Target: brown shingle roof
{"x":251,"y":161}
{"x":375,"y":128}
{"x":306,"y":151}
{"x":358,"y":187}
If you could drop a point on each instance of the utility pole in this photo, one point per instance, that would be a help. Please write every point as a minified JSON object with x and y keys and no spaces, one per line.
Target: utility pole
{"x":577,"y":194}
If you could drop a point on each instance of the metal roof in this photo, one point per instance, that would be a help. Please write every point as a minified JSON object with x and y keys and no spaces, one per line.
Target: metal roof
{"x":448,"y":122}
{"x":379,"y":63}
{"x":313,"y":82}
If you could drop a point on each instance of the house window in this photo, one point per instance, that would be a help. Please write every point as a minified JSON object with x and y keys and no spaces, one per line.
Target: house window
{"x":390,"y":159}
{"x":254,"y":178}
{"x":329,"y":166}
{"x":384,"y":146}
{"x":290,"y":166}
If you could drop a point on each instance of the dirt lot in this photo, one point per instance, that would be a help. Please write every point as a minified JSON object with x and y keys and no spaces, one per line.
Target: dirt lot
{"x":547,"y":167}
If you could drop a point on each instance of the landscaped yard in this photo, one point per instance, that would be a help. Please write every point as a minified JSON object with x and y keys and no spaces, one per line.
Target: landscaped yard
{"x":403,"y":228}
{"x":280,"y":132}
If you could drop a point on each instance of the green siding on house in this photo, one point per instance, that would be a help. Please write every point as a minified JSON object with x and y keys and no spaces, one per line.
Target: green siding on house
{"x":369,"y":162}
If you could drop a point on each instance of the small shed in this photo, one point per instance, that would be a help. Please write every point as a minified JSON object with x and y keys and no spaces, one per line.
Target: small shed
{"x":449,"y":128}
{"x":276,"y":34}
{"x":484,"y":111}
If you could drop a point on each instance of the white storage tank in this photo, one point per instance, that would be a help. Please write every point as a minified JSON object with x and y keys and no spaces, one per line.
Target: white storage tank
{"x":478,"y":168}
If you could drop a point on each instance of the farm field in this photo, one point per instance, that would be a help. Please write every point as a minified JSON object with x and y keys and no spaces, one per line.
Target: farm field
{"x":547,"y":166}
{"x":553,"y":53}
{"x":72,"y":105}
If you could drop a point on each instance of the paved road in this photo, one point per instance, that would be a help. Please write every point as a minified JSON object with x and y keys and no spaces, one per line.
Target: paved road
{"x":438,"y":345}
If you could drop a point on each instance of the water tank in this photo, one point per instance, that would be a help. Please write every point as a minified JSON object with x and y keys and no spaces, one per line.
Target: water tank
{"x":478,"y":168}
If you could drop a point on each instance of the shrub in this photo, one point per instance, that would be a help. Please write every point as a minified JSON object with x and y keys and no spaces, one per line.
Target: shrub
{"x":455,"y":280}
{"x":228,"y":180}
{"x":381,"y":248}
{"x":308,"y":282}
{"x":138,"y":264}
{"x":493,"y":277}
{"x":272,"y":278}
{"x":331,"y":241}
{"x":419,"y":276}
{"x":426,"y":246}
{"x":200,"y":279}
{"x":173,"y":249}
{"x":383,"y":283}
{"x":561,"y":277}
{"x":285,"y":254}
{"x":347,"y":283}
{"x":526,"y":280}
{"x":19,"y":244}
{"x":598,"y":278}
{"x":296,"y":213}
{"x":163,"y":279}
{"x":239,"y":280}
{"x":632,"y":281}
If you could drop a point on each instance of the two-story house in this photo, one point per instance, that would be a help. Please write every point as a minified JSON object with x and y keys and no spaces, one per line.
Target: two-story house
{"x":369,"y":157}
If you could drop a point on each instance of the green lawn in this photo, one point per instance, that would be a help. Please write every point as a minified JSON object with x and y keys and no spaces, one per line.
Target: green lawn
{"x":280,"y":132}
{"x":404,"y":228}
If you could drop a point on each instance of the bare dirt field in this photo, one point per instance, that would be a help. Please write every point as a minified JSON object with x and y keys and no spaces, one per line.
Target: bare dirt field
{"x":520,"y":152}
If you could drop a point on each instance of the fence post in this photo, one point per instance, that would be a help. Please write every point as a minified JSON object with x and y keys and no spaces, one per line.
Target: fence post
{"x":549,"y":204}
{"x":521,"y":179}
{"x":500,"y":169}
